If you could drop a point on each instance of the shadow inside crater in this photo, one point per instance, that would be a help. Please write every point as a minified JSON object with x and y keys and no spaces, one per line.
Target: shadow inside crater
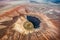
{"x":35,"y":21}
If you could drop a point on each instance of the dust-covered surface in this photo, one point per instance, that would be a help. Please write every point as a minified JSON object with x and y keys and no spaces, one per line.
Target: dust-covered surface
{"x":49,"y":28}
